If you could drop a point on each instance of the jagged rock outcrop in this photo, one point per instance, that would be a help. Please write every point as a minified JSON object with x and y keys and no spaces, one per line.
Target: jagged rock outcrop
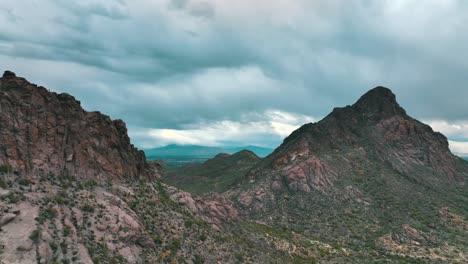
{"x":214,"y":210}
{"x":42,"y":132}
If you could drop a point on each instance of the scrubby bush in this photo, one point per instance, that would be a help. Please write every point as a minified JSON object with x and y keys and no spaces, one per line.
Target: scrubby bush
{"x":3,"y":184}
{"x":5,"y":168}
{"x":87,"y":208}
{"x":35,"y":235}
{"x":24,"y":182}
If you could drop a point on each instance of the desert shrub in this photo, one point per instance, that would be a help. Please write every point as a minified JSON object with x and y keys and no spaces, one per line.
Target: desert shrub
{"x":48,"y":213}
{"x":61,"y":198}
{"x":53,"y":246}
{"x":5,"y":168}
{"x":175,"y":245}
{"x":22,"y":248}
{"x":189,"y":223}
{"x":24,"y":182}
{"x":87,"y":208}
{"x":198,"y":259}
{"x":202,"y":237}
{"x":35,"y":235}
{"x":90,"y":184}
{"x":66,"y":230}
{"x":239,"y":257}
{"x":3,"y":184}
{"x":14,"y":197}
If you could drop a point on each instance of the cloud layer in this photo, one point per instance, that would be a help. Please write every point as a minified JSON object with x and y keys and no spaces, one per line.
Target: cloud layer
{"x":185,"y":71}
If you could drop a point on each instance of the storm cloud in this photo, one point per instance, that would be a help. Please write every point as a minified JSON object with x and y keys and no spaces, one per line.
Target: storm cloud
{"x":194,"y":71}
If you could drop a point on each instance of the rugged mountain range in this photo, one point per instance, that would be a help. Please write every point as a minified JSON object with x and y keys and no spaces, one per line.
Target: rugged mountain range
{"x":202,"y":151}
{"x":367,"y":184}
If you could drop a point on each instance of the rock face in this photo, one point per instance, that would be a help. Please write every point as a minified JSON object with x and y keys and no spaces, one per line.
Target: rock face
{"x":374,"y":132}
{"x":47,"y":133}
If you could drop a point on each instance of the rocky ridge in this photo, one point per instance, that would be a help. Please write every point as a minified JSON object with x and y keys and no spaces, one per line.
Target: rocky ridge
{"x":45,"y":133}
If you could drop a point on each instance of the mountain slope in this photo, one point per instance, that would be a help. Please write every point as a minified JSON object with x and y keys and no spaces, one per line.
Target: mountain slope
{"x":367,"y":178}
{"x":218,"y":174}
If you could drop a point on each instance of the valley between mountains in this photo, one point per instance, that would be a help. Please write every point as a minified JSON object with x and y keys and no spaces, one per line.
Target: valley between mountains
{"x":366,"y":184}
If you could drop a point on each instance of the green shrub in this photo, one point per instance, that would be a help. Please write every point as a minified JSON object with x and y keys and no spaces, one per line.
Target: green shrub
{"x":35,"y":235}
{"x":49,"y":213}
{"x":22,"y":248}
{"x":61,"y":198}
{"x":53,"y":246}
{"x":189,"y":223}
{"x":239,"y":257}
{"x":24,"y":182}
{"x":175,"y":245}
{"x":198,"y":259}
{"x":66,"y":230}
{"x":6,"y":168}
{"x":3,"y":184}
{"x":14,"y":197}
{"x":202,"y":237}
{"x":90,"y":184}
{"x":87,"y":208}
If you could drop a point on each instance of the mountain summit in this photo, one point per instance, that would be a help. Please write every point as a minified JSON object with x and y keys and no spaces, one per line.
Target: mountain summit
{"x":379,"y":100}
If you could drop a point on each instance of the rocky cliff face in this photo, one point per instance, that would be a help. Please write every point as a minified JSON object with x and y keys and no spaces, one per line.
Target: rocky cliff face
{"x":47,"y":133}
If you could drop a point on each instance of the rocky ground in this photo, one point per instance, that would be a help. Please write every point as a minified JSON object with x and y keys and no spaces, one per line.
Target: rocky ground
{"x":61,"y":220}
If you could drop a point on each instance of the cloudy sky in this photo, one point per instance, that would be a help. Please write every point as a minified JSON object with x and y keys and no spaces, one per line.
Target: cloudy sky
{"x":223,"y":72}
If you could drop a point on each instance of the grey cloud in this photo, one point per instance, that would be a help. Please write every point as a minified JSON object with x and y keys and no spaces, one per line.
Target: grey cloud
{"x":167,"y":64}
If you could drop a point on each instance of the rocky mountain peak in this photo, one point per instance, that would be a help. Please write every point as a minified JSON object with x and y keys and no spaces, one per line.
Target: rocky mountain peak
{"x":379,"y":100}
{"x":375,"y":133}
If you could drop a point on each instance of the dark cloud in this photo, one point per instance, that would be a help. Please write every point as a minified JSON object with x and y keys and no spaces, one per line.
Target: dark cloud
{"x":172,"y":64}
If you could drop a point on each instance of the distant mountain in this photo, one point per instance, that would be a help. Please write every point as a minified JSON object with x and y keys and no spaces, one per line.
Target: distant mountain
{"x":200,"y":152}
{"x":218,"y":174}
{"x":259,"y":151}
